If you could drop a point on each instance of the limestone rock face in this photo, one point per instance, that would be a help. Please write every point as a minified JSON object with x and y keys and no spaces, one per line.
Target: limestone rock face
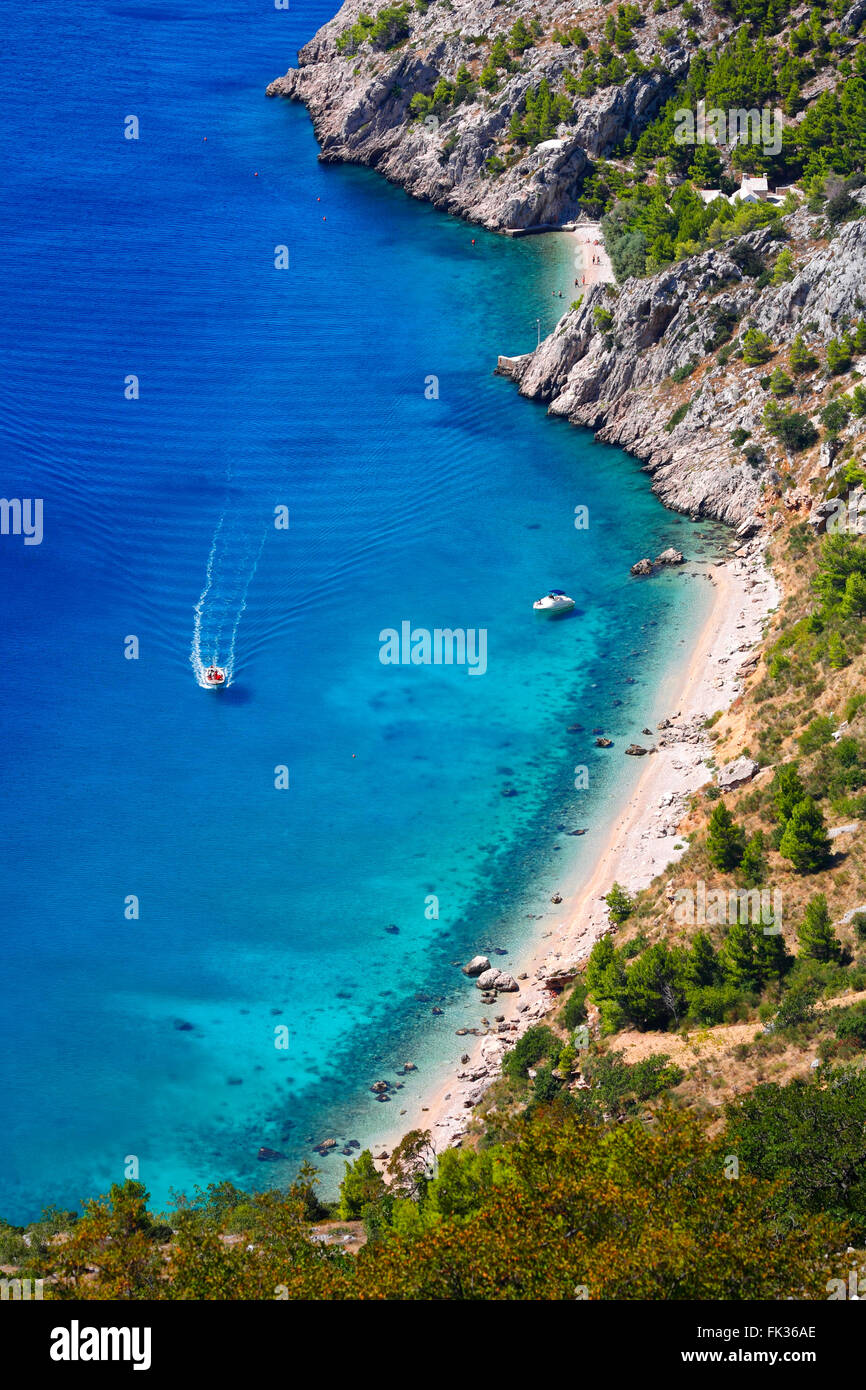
{"x":360,"y":104}
{"x":616,"y":376}
{"x":618,"y":381}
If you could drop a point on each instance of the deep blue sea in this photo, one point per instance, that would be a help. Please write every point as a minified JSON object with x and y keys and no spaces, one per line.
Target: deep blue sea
{"x":126,"y":786}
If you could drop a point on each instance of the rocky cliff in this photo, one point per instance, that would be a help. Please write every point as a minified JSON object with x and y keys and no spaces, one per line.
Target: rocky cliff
{"x":496,"y":110}
{"x":641,"y":366}
{"x":459,"y":155}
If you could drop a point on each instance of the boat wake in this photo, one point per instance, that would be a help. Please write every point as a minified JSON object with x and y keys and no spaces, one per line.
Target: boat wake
{"x":231,"y":568}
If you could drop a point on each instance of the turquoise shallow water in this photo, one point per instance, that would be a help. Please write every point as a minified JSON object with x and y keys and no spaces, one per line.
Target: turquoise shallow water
{"x":304,"y":388}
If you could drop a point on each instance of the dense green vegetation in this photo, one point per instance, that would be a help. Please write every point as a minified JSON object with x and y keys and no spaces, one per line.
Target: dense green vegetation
{"x":665,"y":986}
{"x":388,"y":27}
{"x":649,"y":222}
{"x":815,"y":1136}
{"x":827,"y":639}
{"x":564,"y":1207}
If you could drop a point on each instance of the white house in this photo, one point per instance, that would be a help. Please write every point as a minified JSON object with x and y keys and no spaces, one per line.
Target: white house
{"x":751,"y":190}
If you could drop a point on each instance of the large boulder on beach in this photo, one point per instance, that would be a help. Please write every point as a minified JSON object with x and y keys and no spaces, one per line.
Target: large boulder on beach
{"x":488,"y":979}
{"x":644,"y":566}
{"x":476,"y":966}
{"x":737,"y":773}
{"x":671,"y":557}
{"x":507,"y":984}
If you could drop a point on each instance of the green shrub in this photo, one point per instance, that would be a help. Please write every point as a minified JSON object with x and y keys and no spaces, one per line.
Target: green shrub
{"x":678,"y":416}
{"x":793,"y":429}
{"x":681,"y":373}
{"x":619,"y":905}
{"x":757,"y":347}
{"x":574,"y":1013}
{"x":537,"y":1042}
{"x":804,"y":840}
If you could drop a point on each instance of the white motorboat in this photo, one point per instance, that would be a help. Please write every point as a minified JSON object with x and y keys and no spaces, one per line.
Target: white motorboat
{"x":214,"y":677}
{"x":554,"y":603}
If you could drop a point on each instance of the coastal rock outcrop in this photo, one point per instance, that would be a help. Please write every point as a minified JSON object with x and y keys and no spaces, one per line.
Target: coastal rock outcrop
{"x":644,"y":566}
{"x":617,"y":377}
{"x":488,"y":980}
{"x":359,"y":82}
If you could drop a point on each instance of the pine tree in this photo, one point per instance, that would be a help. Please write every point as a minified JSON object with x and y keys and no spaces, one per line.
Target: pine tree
{"x":782,"y":270}
{"x":838,"y":355}
{"x":854,"y":602}
{"x":726,"y":841}
{"x":858,"y":402}
{"x":801,"y":358}
{"x":816,"y":936}
{"x":805,"y":840}
{"x":362,"y":1185}
{"x":770,"y":954}
{"x":619,"y":905}
{"x":836,"y":654}
{"x":757,"y":347}
{"x":600,"y":957}
{"x":702,"y":966}
{"x":754,"y":864}
{"x":787,"y":790}
{"x":780,"y":383}
{"x":738,"y":956}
